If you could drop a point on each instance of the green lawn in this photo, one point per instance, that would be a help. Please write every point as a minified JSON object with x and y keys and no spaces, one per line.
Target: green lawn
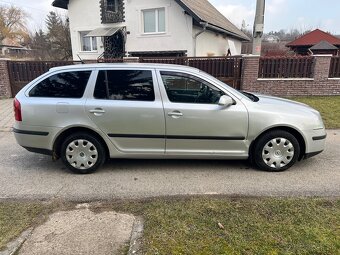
{"x":251,"y":226}
{"x":329,"y":107}
{"x":191,"y":225}
{"x":16,"y":217}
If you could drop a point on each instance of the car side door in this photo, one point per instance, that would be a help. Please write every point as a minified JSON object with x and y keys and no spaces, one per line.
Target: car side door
{"x":195,"y":122}
{"x":126,"y":105}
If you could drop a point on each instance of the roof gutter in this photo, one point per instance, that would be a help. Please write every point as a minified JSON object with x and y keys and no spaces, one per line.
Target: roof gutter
{"x":223,"y":31}
{"x":204,"y":28}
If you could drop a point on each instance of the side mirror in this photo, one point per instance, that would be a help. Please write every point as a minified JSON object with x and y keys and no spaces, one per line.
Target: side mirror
{"x":226,"y":101}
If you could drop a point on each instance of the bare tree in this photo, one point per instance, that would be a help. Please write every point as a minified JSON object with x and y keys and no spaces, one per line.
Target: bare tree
{"x":13,"y":22}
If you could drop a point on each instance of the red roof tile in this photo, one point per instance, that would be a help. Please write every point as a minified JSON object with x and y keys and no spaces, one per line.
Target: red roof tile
{"x":313,"y":38}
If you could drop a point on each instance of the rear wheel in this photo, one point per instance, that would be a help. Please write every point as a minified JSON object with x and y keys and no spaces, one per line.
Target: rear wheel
{"x":276,"y":151}
{"x":82,"y":153}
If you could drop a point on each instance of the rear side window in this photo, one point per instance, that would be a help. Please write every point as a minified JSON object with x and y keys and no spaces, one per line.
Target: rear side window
{"x":62,"y":85}
{"x":131,"y":85}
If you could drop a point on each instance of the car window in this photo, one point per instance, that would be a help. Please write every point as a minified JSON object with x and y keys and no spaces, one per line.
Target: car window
{"x":132,"y":85}
{"x":62,"y":85}
{"x":184,"y":88}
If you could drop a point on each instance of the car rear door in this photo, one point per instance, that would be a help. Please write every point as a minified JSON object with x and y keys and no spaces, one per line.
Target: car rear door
{"x":195,"y":123}
{"x":126,"y":105}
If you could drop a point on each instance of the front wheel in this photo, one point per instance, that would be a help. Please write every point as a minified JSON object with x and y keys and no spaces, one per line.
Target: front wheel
{"x":82,"y":153}
{"x":276,"y":151}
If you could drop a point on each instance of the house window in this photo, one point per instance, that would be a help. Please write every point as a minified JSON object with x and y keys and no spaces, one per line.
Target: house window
{"x":88,"y":43}
{"x":154,"y":20}
{"x":112,"y":5}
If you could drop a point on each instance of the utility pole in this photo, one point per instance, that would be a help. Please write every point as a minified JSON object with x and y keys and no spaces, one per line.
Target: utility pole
{"x":258,"y":27}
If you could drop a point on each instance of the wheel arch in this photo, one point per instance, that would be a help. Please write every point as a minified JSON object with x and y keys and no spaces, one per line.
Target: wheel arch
{"x":71,"y":130}
{"x":297,"y":134}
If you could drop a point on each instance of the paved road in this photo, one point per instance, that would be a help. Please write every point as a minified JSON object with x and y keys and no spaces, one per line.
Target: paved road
{"x":6,"y":114}
{"x":30,"y":176}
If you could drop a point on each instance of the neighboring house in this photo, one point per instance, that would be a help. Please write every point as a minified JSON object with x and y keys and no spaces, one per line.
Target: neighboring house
{"x":316,"y":42}
{"x":117,"y":28}
{"x":11,"y":48}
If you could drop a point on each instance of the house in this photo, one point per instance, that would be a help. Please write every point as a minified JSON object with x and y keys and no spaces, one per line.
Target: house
{"x":316,"y":42}
{"x":117,"y":28}
{"x":12,"y":49}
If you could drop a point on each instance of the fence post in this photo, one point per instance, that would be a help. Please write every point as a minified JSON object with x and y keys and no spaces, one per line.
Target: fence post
{"x":321,"y":67}
{"x":5,"y":83}
{"x":250,"y":71}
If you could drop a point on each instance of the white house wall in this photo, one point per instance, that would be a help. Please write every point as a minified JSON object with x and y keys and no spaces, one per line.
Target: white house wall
{"x":178,"y":35}
{"x":210,"y":43}
{"x":85,"y":15}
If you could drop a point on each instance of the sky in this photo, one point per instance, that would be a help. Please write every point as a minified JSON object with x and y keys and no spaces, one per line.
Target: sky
{"x":280,"y":14}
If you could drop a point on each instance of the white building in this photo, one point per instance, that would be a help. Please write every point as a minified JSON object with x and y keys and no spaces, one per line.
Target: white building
{"x":117,"y":28}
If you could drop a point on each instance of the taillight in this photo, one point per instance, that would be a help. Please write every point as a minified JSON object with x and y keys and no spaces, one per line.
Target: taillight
{"x":17,"y":110}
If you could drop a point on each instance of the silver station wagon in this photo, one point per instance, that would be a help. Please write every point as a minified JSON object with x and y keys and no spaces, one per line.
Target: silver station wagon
{"x":85,"y":114}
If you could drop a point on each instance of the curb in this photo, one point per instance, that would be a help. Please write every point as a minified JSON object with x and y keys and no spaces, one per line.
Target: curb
{"x":136,"y":237}
{"x":14,"y":246}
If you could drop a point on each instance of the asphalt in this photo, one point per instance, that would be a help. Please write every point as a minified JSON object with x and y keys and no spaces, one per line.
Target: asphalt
{"x":26,"y":175}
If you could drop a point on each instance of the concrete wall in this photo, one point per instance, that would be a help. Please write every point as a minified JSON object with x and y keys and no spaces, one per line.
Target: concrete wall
{"x":319,"y":85}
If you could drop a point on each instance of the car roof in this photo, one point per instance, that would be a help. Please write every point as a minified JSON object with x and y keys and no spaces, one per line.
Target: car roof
{"x":126,"y":65}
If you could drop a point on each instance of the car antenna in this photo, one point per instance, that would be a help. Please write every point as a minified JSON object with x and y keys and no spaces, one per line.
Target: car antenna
{"x":82,"y":61}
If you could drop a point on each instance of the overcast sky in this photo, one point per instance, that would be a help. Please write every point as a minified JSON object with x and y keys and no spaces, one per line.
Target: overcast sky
{"x":280,"y":14}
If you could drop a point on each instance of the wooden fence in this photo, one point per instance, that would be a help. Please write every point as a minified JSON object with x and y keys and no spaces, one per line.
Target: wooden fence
{"x":286,"y":67}
{"x":334,"y":70}
{"x":22,"y":72}
{"x":227,"y":69}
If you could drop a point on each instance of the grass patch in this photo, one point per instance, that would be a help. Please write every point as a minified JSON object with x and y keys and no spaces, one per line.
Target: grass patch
{"x":251,"y":226}
{"x":15,"y":217}
{"x":328,"y":106}
{"x":190,"y":225}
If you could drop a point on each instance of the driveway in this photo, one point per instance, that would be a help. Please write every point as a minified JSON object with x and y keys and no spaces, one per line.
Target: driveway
{"x":25,"y":175}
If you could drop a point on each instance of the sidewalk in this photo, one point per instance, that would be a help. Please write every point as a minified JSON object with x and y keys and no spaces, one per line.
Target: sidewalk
{"x":6,"y":115}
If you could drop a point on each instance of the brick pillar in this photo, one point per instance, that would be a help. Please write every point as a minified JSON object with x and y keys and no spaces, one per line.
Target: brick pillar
{"x":250,"y":72}
{"x":321,"y":68}
{"x":5,"y":85}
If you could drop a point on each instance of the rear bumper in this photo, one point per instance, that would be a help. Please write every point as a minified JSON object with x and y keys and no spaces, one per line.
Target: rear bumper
{"x":35,"y":138}
{"x":39,"y":151}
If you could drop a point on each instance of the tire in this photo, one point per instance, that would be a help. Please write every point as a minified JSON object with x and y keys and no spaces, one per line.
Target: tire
{"x":276,"y":151}
{"x":82,"y":153}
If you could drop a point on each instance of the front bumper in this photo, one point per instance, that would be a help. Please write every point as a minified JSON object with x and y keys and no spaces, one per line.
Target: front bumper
{"x":312,"y":154}
{"x":315,"y":142}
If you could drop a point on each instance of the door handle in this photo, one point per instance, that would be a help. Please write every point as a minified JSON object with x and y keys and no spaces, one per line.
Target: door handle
{"x":175,"y":114}
{"x":97,"y":111}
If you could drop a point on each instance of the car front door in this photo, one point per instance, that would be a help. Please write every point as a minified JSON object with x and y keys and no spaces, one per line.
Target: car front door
{"x":126,"y":105}
{"x":195,"y":123}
